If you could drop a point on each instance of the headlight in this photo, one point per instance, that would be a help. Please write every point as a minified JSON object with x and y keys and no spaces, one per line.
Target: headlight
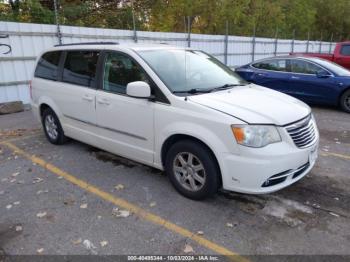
{"x":255,"y":135}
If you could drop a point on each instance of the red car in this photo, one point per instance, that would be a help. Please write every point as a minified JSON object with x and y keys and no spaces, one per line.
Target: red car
{"x":340,"y":56}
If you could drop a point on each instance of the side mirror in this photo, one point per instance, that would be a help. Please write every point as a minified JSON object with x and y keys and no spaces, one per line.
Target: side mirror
{"x":323,"y":74}
{"x":138,"y":89}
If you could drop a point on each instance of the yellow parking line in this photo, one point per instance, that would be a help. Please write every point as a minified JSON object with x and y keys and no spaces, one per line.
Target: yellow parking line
{"x":140,"y":212}
{"x":335,"y":155}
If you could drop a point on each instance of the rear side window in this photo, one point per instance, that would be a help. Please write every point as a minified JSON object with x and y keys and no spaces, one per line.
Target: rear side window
{"x":48,"y":65}
{"x":345,"y":50}
{"x":275,"y":65}
{"x":80,"y":68}
{"x":303,"y":67}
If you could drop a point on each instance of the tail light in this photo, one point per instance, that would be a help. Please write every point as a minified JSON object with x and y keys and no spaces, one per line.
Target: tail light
{"x":31,"y":89}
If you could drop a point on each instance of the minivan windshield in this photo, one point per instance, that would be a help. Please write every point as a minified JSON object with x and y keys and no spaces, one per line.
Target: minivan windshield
{"x":190,"y":71}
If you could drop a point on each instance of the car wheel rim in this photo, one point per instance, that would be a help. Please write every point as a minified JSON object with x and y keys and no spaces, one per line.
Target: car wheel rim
{"x":189,"y":171}
{"x":51,"y":127}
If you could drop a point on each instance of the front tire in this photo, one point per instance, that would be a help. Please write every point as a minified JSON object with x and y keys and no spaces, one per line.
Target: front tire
{"x":52,"y":127}
{"x":345,"y":101}
{"x":192,"y":169}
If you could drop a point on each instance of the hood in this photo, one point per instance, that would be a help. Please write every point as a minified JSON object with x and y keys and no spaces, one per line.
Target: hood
{"x":255,"y":105}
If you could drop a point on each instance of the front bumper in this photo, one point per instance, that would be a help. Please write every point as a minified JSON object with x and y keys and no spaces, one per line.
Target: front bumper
{"x":268,"y":169}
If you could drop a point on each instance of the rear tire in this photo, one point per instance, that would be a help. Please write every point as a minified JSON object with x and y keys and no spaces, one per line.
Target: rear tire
{"x":345,"y":101}
{"x":52,"y":127}
{"x":192,"y":169}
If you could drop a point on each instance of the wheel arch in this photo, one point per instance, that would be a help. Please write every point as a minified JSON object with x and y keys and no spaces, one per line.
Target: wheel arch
{"x":42,"y":108}
{"x":171,"y":140}
{"x":46,"y":102}
{"x":342,"y":93}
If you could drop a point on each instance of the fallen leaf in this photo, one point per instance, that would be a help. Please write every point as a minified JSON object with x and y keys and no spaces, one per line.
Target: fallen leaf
{"x":336,"y":198}
{"x":99,"y":217}
{"x":103,"y":243}
{"x":188,"y":249}
{"x":41,"y":214}
{"x":200,"y":232}
{"x":13,"y":180}
{"x":229,"y":224}
{"x":77,"y":242}
{"x":15,"y":174}
{"x":333,"y":214}
{"x":60,"y":177}
{"x":89,"y":245}
{"x":152,"y":204}
{"x":37,"y":180}
{"x":83,"y":206}
{"x":120,"y":213}
{"x":42,"y":192}
{"x":119,"y":187}
{"x":40,"y":250}
{"x":17,"y":203}
{"x":18,"y":228}
{"x":69,"y":201}
{"x":8,"y":206}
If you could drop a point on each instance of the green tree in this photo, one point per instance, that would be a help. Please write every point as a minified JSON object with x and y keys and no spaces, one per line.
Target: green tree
{"x":206,"y":16}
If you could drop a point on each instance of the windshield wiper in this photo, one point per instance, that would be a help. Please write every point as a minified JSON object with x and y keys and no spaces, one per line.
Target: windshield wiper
{"x":226,"y":86}
{"x":192,"y":91}
{"x":208,"y":90}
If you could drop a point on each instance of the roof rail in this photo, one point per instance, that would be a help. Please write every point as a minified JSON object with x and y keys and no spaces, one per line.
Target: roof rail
{"x":90,"y":43}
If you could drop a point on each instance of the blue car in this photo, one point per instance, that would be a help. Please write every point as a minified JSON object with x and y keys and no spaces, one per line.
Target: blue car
{"x":312,"y":80}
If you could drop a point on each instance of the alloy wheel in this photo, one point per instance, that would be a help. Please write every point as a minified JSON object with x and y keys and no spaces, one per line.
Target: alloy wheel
{"x":189,"y":171}
{"x":51,"y":127}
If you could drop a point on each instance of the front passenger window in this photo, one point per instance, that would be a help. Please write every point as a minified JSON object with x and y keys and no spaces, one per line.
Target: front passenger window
{"x":119,"y":71}
{"x":303,"y":67}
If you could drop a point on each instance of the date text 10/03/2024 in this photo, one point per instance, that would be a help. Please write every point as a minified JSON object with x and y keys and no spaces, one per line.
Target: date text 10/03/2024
{"x":173,"y":258}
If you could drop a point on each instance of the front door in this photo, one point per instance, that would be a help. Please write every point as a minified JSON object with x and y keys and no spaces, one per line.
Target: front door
{"x":126,"y":124}
{"x":305,"y":85}
{"x":272,"y":74}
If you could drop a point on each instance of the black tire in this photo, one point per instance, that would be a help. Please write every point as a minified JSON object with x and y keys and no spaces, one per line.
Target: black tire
{"x":205,"y":157}
{"x":60,"y":138}
{"x":345,"y":101}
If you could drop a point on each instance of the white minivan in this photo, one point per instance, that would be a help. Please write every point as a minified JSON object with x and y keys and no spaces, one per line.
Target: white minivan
{"x":175,"y":109}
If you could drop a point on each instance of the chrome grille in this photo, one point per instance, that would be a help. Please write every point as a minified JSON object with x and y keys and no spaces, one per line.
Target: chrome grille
{"x":303,"y":132}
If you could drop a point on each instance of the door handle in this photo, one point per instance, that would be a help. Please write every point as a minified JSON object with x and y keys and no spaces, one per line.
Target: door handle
{"x":260,"y":74}
{"x":88,"y":98}
{"x":103,"y":101}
